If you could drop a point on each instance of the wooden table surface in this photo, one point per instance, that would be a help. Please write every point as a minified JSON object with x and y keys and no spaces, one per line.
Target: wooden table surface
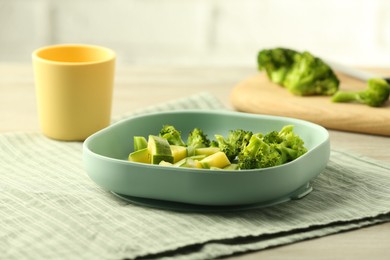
{"x":138,"y":87}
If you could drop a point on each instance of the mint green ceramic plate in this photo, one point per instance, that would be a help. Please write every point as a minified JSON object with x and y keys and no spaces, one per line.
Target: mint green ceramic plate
{"x":105,"y":158}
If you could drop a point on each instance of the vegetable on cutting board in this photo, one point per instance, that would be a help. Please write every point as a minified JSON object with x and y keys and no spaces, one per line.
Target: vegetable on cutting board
{"x":301,"y":73}
{"x":304,"y":74}
{"x":375,"y":95}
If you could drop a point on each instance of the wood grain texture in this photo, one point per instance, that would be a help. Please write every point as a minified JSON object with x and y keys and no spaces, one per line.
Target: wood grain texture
{"x":257,"y":94}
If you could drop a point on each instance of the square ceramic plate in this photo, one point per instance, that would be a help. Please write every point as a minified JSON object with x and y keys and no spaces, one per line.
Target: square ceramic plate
{"x":105,"y":158}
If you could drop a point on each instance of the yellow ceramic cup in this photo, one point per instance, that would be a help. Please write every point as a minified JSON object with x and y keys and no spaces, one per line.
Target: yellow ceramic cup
{"x":74,"y":86}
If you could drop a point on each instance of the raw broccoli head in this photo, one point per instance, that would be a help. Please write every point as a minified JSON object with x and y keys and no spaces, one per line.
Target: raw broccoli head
{"x":172,"y":135}
{"x":309,"y":75}
{"x":276,"y":62}
{"x":233,"y":143}
{"x":300,"y":72}
{"x":197,"y":139}
{"x":375,"y":95}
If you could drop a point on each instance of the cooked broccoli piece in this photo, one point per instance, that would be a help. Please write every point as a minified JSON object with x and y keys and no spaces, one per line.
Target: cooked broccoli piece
{"x":276,"y":62}
{"x":272,"y":137}
{"x":172,"y":135}
{"x":375,"y":95}
{"x":247,"y":159}
{"x":272,"y":149}
{"x":292,"y":146}
{"x":213,"y":143}
{"x":233,"y":143}
{"x":226,"y":147}
{"x":239,"y":138}
{"x":258,"y":154}
{"x":197,"y":139}
{"x":300,"y":72}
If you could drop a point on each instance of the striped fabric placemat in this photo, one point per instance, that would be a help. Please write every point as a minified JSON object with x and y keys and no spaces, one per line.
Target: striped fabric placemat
{"x":49,"y":208}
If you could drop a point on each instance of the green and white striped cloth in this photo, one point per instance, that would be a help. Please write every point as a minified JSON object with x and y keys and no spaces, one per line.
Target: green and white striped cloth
{"x":50,"y":209}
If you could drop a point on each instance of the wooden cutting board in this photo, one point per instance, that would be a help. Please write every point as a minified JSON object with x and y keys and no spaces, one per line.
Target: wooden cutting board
{"x":258,"y":95}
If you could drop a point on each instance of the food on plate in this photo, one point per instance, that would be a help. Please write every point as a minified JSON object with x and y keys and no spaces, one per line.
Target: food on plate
{"x":274,"y":148}
{"x":375,"y":95}
{"x":140,"y":142}
{"x":234,"y":142}
{"x":301,"y":73}
{"x":238,"y":150}
{"x":159,"y":150}
{"x":196,"y":139}
{"x":172,"y":135}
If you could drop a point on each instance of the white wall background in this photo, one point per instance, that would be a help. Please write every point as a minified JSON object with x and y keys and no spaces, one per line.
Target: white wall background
{"x":211,"y":32}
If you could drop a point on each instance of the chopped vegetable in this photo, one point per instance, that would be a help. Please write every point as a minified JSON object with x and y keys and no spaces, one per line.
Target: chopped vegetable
{"x":233,"y":143}
{"x":159,"y":150}
{"x":218,"y":159}
{"x":375,"y":95}
{"x":141,"y":156}
{"x":172,"y":135}
{"x":301,"y":73}
{"x":239,"y":150}
{"x":178,"y":152}
{"x":206,"y":150}
{"x":276,"y":63}
{"x":196,"y":139}
{"x":275,"y":148}
{"x":140,"y":142}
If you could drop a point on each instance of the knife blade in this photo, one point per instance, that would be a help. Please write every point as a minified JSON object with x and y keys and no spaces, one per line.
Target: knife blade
{"x":356,"y":73}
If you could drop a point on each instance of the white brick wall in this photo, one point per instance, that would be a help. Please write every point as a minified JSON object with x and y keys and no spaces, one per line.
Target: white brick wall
{"x":229,"y":32}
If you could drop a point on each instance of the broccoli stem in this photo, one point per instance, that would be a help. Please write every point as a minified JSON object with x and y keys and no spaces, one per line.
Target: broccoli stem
{"x":342,"y":96}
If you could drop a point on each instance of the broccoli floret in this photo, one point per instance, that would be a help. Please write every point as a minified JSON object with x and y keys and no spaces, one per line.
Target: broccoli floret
{"x":197,"y":139}
{"x":300,"y":72}
{"x":233,"y":143}
{"x":276,"y":62}
{"x":213,"y":143}
{"x":226,"y":147}
{"x":271,"y":158}
{"x":272,"y":137}
{"x":311,"y":76}
{"x":272,"y":149}
{"x":239,"y":138}
{"x":292,"y":145}
{"x":172,"y":135}
{"x":375,"y":95}
{"x":247,"y":158}
{"x":258,"y":154}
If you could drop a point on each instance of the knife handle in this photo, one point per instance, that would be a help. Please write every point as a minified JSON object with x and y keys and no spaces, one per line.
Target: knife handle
{"x":355,"y":73}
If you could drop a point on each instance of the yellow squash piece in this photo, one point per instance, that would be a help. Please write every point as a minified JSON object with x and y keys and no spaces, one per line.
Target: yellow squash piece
{"x":207,"y":150}
{"x":141,"y":156}
{"x":164,"y":163}
{"x":190,"y":162}
{"x":218,"y":159}
{"x":178,"y":152}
